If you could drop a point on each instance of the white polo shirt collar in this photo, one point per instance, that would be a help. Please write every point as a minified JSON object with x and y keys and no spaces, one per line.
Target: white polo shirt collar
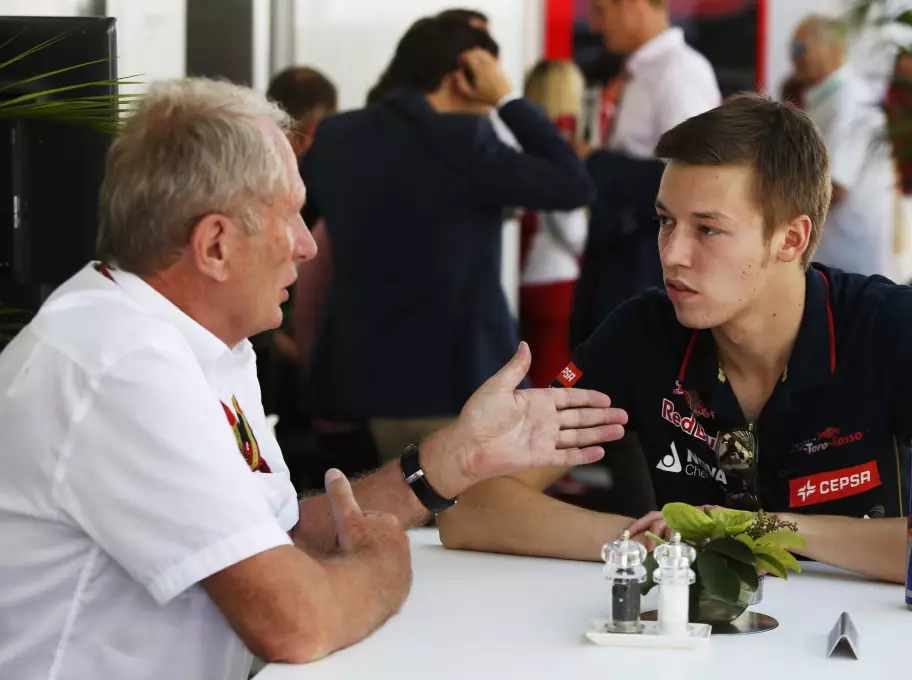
{"x":208,"y":349}
{"x":816,"y":95}
{"x":657,"y":49}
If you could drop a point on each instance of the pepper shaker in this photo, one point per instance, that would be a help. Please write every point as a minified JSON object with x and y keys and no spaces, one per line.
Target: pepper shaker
{"x":674,"y":577}
{"x":625,"y":570}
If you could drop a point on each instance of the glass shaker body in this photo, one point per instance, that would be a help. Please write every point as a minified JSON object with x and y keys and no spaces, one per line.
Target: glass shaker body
{"x":625,"y":571}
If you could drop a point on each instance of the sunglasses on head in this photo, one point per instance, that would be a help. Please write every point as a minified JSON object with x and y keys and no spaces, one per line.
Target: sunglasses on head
{"x":736,"y":455}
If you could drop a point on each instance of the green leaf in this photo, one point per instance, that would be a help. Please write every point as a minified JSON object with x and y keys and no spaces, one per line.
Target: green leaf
{"x":655,"y":538}
{"x":772,"y":565}
{"x":719,"y":581}
{"x":785,"y":558}
{"x":651,"y":565}
{"x":718,"y":530}
{"x":690,"y":522}
{"x":782,"y":540}
{"x":732,"y":549}
{"x":748,"y":541}
{"x":734,"y":521}
{"x":101,"y":112}
{"x":747,"y":573}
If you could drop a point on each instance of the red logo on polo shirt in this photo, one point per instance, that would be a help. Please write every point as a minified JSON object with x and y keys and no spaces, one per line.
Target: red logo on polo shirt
{"x":246,"y":440}
{"x":831,"y":486}
{"x":569,"y":375}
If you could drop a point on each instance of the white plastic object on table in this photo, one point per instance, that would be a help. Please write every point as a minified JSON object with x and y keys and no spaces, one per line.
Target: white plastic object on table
{"x":674,"y":577}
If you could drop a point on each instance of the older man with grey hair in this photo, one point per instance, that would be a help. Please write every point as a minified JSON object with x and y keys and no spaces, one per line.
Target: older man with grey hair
{"x":150,"y":528}
{"x":858,"y":235}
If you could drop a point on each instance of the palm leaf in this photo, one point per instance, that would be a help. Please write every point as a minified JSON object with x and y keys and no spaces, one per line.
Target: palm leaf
{"x":99,"y":112}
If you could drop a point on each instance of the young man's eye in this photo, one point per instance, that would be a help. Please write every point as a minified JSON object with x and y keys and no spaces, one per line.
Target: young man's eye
{"x":664,"y":220}
{"x":709,"y":231}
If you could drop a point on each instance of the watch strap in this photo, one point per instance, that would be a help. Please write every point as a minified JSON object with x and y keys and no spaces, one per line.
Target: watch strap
{"x":415,"y":478}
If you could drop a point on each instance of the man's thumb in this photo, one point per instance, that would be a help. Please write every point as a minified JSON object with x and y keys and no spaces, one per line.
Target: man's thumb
{"x":509,"y":377}
{"x":341,"y":498}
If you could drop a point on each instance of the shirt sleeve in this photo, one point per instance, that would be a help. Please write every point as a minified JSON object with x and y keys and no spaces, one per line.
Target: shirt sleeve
{"x":603,"y":362}
{"x":569,"y":227}
{"x":849,"y":143}
{"x":687,"y":96}
{"x":152,"y":473}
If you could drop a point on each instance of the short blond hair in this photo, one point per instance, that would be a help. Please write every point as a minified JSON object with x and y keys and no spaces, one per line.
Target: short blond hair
{"x":189,"y":148}
{"x":557,"y":86}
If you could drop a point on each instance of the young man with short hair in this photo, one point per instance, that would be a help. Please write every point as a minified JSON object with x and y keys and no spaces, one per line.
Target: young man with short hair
{"x":756,"y":379}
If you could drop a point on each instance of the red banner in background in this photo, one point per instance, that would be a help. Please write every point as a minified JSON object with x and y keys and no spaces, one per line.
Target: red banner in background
{"x":558,"y":29}
{"x":559,"y":17}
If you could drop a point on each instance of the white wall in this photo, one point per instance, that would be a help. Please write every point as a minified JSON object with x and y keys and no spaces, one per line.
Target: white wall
{"x":150,"y":33}
{"x":353,"y":40}
{"x":40,"y":8}
{"x":151,"y":40}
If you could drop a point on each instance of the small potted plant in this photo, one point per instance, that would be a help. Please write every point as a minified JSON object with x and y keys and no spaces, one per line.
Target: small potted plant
{"x":733,"y":548}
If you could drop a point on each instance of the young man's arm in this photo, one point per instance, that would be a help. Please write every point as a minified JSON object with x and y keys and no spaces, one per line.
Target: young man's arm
{"x":513,"y":515}
{"x":500,"y":431}
{"x":871,"y":547}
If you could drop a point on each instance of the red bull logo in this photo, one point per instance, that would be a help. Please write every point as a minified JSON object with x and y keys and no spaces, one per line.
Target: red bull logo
{"x":688,"y":424}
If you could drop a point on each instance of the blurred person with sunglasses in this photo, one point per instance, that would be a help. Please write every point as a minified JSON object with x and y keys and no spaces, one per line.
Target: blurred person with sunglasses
{"x":756,"y":379}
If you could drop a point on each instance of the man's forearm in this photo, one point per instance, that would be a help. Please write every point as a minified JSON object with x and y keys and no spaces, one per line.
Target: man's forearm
{"x":360,"y":596}
{"x":386,"y":491}
{"x":871,"y":547}
{"x":505,"y":515}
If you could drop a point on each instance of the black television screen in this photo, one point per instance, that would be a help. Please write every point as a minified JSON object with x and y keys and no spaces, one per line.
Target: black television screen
{"x":50,"y":172}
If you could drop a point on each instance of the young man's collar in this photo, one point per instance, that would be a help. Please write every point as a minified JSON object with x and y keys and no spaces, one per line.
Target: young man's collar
{"x":813,"y":357}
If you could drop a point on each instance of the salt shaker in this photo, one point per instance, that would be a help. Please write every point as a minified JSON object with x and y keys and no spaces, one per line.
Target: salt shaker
{"x":624,"y":569}
{"x":674,"y":577}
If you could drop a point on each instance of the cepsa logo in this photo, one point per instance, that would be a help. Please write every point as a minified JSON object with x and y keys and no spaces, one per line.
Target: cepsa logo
{"x":688,"y":424}
{"x":831,"y":486}
{"x":830,"y":438}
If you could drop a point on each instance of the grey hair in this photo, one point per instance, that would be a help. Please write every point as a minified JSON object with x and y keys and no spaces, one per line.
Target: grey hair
{"x":189,"y":148}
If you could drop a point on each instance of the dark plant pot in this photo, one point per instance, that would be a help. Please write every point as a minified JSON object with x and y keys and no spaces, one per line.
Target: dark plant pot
{"x":707,"y":608}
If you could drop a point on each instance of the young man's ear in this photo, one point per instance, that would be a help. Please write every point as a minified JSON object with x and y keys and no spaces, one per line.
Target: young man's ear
{"x":795,"y":239}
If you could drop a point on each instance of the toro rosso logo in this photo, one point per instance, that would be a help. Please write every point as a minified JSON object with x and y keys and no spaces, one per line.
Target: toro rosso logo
{"x":829,"y":438}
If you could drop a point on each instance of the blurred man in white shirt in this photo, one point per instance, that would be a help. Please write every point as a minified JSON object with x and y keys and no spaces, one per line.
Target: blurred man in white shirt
{"x":859,"y":229}
{"x":150,"y":528}
{"x":664,"y":82}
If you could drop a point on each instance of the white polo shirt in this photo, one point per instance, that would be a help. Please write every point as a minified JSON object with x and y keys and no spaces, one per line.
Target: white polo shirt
{"x":124,"y":484}
{"x":669,"y":82}
{"x":858,"y":233}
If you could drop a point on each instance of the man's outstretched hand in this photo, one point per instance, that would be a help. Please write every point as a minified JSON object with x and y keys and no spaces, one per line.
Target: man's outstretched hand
{"x":502,"y":430}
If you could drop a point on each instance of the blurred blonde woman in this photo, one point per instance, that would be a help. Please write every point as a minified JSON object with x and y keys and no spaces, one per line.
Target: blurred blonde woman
{"x":552,"y":242}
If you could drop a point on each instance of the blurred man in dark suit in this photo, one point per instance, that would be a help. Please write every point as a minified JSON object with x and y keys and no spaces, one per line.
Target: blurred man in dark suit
{"x":413,"y":191}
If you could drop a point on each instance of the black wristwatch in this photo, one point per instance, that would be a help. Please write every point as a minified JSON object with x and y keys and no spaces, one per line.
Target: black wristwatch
{"x":414,"y":477}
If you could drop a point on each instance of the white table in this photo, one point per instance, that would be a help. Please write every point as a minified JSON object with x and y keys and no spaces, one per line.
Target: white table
{"x":475,"y":616}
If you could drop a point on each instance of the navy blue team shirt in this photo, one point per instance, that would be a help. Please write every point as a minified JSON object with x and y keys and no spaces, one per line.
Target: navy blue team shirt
{"x":832,"y":439}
